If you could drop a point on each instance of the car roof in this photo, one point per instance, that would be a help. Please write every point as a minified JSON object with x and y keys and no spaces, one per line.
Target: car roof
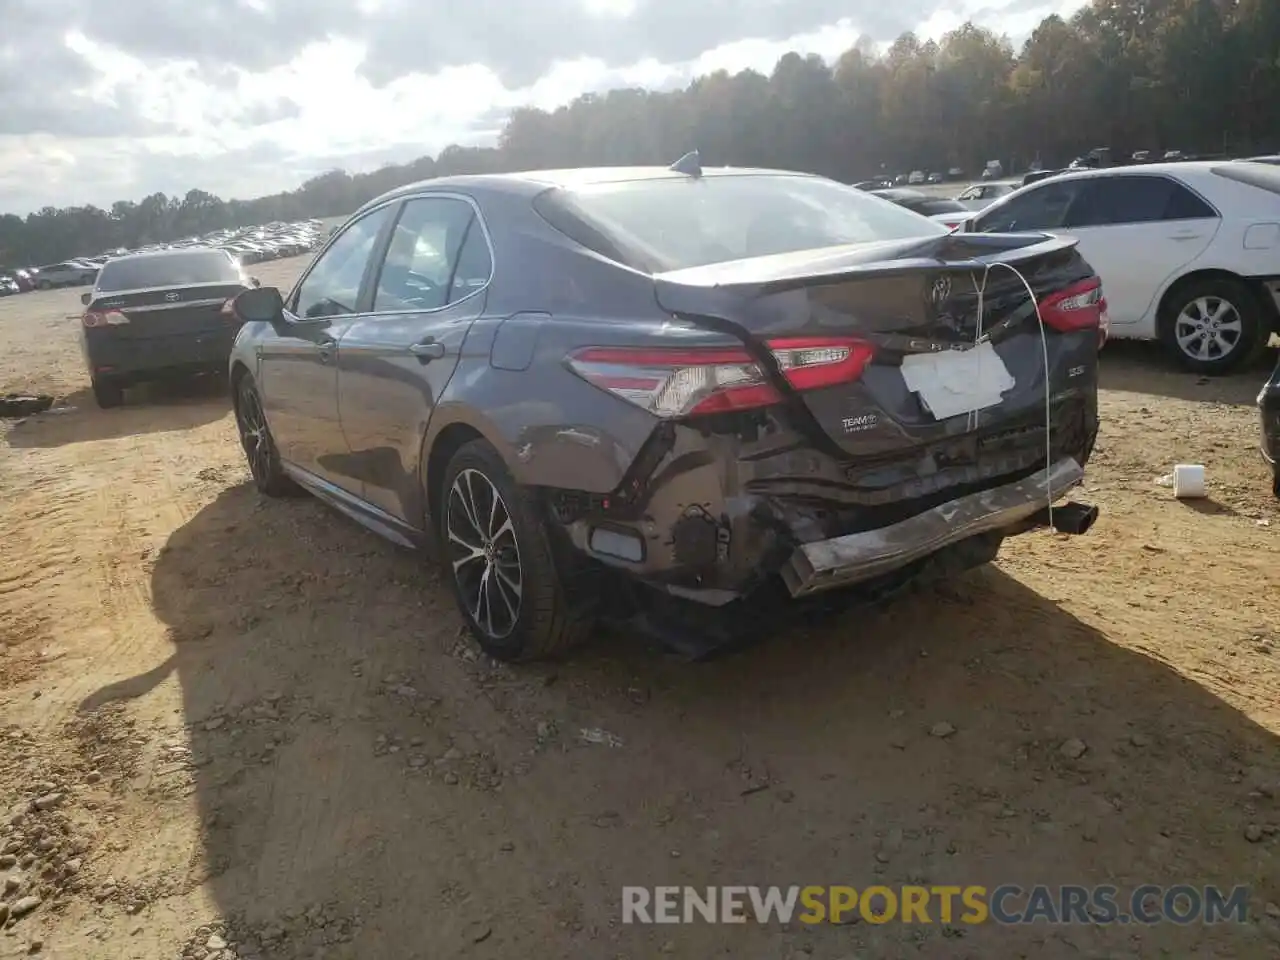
{"x":532,"y":182}
{"x":1181,"y":169}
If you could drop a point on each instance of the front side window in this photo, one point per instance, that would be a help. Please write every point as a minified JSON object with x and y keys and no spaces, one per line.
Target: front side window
{"x":332,"y":286}
{"x":1043,"y":207}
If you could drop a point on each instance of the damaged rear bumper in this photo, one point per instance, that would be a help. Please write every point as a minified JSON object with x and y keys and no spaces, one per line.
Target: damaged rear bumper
{"x":857,"y":557}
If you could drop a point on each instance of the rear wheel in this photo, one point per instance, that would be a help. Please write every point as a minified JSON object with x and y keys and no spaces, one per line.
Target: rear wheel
{"x":500,"y":561}
{"x":108,"y":393}
{"x":259,"y":446}
{"x":1214,"y":326}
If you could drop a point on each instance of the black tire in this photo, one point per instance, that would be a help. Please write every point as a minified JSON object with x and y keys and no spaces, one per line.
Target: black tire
{"x":1231,"y":322}
{"x":543,"y":622}
{"x":108,"y":393}
{"x":259,"y":445}
{"x":1275,"y":486}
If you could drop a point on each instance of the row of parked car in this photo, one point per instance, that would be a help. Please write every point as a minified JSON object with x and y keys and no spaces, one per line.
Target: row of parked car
{"x":246,"y":244}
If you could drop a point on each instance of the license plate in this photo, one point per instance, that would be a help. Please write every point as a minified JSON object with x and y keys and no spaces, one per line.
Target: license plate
{"x":957,"y":381}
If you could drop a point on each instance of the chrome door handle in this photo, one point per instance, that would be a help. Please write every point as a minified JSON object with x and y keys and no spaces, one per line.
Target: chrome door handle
{"x":325,"y":347}
{"x":427,"y":350}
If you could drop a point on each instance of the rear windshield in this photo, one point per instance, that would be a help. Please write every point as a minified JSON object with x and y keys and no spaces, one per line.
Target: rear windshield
{"x":168,"y":270}
{"x":671,"y":224}
{"x":932,"y":207}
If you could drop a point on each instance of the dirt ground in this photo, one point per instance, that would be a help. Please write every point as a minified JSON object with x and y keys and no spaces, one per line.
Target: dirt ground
{"x":257,"y":731}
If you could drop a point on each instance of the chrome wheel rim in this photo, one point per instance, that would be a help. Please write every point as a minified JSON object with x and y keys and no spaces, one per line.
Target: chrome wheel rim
{"x":484,"y":553}
{"x":254,"y":436}
{"x":1208,"y":328}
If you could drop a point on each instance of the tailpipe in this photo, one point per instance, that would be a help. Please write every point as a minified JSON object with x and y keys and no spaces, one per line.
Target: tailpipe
{"x":1073,"y":518}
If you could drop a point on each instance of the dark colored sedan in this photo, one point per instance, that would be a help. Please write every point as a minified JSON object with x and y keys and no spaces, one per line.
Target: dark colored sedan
{"x":674,"y":386}
{"x":923,"y":203}
{"x":1269,"y":410}
{"x":159,"y":315}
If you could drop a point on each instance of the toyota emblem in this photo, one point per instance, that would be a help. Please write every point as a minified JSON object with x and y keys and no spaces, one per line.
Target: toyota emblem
{"x":171,"y":297}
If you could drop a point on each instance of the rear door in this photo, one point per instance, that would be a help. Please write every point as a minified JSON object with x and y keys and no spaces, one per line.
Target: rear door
{"x":396,"y":360}
{"x":1139,"y":230}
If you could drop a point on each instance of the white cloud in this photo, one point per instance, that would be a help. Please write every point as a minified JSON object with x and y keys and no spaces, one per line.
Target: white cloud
{"x":239,"y":133}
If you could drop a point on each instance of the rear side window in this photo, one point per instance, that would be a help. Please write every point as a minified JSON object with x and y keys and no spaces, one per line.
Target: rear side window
{"x":1113,"y":201}
{"x":168,"y":270}
{"x":419,"y":271}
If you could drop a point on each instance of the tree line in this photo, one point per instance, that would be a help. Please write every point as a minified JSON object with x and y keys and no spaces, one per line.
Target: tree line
{"x":1195,"y":75}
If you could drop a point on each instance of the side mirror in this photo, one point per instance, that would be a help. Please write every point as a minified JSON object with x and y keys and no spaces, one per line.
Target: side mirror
{"x":259,"y":305}
{"x":255,"y":282}
{"x":86,"y":298}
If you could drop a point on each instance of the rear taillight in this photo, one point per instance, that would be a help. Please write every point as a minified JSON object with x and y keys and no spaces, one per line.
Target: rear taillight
{"x":1079,"y":307}
{"x":685,"y":381}
{"x":103,"y":318}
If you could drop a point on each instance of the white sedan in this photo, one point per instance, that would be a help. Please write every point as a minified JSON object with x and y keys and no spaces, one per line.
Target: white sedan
{"x":1188,"y":253}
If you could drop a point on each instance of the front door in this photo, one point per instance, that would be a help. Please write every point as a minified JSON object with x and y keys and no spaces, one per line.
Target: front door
{"x":396,"y":360}
{"x":299,"y":370}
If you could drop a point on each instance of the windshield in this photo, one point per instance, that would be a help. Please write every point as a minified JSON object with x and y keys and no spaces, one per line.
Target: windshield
{"x":168,"y":270}
{"x":678,"y":223}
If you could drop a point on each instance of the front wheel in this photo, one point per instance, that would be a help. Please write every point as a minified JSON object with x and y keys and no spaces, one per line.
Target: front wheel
{"x":1214,"y":326}
{"x":500,"y":561}
{"x":259,"y":445}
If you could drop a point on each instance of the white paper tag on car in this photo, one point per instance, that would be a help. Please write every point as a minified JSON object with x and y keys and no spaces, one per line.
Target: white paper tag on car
{"x":957,"y":381}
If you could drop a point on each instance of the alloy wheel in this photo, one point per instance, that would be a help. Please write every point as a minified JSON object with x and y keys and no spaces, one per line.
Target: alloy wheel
{"x":1208,"y":328}
{"x":254,"y":436}
{"x":484,"y":553}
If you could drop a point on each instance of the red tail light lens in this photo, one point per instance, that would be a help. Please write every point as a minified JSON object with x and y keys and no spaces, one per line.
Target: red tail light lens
{"x":103,"y":318}
{"x":686,"y":382}
{"x":1080,"y":306}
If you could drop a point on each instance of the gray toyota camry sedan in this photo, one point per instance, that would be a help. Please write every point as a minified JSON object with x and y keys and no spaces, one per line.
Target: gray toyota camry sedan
{"x":672,"y":385}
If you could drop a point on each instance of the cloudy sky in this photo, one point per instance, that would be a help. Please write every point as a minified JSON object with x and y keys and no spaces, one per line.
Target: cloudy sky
{"x":102,"y":100}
